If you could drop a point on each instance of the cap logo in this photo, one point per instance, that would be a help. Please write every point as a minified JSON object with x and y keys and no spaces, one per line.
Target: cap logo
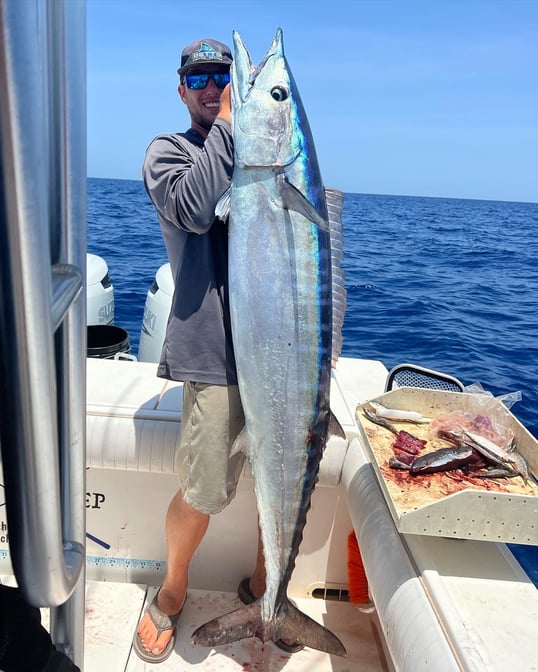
{"x":206,"y":52}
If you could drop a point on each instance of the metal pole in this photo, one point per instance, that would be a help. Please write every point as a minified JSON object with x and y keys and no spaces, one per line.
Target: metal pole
{"x":42,"y":247}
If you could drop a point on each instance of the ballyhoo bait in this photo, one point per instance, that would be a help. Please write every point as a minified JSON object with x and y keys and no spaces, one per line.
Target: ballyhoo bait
{"x":398,"y":415}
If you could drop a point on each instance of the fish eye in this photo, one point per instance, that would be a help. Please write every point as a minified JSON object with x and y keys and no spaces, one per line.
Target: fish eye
{"x":279,"y":93}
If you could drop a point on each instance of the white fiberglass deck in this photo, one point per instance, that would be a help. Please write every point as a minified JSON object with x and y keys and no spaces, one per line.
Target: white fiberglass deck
{"x":113,"y":611}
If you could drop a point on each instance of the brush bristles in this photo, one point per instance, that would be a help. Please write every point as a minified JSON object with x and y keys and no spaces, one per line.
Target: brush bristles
{"x":358,"y":583}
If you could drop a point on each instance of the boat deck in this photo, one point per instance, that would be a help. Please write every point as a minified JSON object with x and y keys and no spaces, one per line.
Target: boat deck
{"x":113,"y":610}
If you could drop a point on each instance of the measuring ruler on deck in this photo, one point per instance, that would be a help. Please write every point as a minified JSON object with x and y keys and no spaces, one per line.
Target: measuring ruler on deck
{"x":126,"y":565}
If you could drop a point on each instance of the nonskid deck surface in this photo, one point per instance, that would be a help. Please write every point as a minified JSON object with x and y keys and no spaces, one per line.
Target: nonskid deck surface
{"x":113,"y":611}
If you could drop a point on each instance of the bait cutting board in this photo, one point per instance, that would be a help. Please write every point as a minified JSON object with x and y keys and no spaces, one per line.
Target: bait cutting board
{"x":452,"y":504}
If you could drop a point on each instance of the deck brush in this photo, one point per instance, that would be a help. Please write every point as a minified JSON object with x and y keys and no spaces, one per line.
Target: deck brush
{"x":357,"y":581}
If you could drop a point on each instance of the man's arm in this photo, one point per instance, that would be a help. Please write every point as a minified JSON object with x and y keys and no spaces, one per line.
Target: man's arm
{"x":185,"y":181}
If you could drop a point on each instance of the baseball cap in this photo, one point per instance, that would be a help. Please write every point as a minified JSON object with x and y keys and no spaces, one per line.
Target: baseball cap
{"x":202,"y":52}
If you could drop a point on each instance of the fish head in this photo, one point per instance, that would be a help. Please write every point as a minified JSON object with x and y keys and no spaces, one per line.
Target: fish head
{"x":267,"y":113}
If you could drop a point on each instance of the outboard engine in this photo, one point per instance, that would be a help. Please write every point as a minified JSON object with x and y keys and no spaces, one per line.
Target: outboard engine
{"x":156,"y":311}
{"x":99,"y":292}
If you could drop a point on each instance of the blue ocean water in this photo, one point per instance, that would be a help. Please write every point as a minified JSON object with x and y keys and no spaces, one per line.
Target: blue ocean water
{"x":445,"y":283}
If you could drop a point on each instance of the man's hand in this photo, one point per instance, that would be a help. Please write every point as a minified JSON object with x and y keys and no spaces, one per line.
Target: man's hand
{"x":225,"y":111}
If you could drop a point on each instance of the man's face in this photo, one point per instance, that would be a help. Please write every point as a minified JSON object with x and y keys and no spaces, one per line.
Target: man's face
{"x":203,"y":104}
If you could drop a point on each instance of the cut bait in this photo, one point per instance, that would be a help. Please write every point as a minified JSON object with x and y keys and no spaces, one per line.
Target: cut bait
{"x":491,"y":450}
{"x":397,"y":415}
{"x":510,"y":461}
{"x":444,"y":459}
{"x":408,"y":443}
{"x":373,"y":417}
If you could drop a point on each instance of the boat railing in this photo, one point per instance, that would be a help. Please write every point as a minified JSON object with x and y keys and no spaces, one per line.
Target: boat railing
{"x":42,"y":316}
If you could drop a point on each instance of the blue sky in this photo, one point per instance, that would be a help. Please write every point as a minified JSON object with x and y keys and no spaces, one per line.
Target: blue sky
{"x":422,"y":98}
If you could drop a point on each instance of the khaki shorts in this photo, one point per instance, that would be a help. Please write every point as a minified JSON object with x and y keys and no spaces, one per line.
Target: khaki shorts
{"x":212,"y":418}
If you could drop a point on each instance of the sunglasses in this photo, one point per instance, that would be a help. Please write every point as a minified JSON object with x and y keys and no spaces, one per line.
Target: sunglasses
{"x":198,"y":82}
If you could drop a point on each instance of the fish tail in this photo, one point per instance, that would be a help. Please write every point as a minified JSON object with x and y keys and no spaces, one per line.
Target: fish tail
{"x":239,"y":624}
{"x":290,"y":623}
{"x":293,"y":625}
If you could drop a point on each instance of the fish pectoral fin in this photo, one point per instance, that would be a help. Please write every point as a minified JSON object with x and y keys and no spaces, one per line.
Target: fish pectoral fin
{"x":240,"y":445}
{"x":335,"y":428}
{"x":293,"y":625}
{"x":294,"y":199}
{"x":222,"y":209}
{"x":239,"y":624}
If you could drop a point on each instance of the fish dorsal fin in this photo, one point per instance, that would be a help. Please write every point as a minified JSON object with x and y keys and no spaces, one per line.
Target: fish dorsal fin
{"x":294,"y":199}
{"x":335,"y":204}
{"x":222,"y":209}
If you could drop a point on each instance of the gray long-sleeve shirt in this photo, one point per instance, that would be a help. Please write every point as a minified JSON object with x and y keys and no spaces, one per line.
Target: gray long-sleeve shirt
{"x":184,"y":177}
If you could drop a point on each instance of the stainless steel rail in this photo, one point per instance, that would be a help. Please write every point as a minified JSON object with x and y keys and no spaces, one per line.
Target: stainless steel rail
{"x":42,"y":303}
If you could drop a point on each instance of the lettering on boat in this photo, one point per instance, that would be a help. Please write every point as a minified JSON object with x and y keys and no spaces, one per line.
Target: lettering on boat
{"x":94,"y":500}
{"x":106,"y":313}
{"x":149,"y":319}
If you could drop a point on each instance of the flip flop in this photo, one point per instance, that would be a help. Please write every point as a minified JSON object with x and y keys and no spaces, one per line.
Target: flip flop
{"x":162,"y":623}
{"x":247,"y":597}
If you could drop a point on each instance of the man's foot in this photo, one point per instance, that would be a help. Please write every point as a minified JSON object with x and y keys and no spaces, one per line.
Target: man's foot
{"x":246,"y":596}
{"x":156,"y":633}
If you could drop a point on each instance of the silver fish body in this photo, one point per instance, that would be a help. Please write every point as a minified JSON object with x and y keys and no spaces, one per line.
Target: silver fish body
{"x":489,"y":449}
{"x":282,"y":325}
{"x":508,"y":460}
{"x":520,"y":465}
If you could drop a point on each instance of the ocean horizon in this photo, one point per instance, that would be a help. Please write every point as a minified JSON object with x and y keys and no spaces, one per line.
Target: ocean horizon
{"x":365,"y":193}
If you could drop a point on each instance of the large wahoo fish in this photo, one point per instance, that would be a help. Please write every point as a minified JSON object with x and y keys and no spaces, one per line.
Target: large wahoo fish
{"x":281,"y":301}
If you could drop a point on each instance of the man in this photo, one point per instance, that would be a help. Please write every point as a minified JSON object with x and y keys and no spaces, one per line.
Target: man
{"x":185,"y":174}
